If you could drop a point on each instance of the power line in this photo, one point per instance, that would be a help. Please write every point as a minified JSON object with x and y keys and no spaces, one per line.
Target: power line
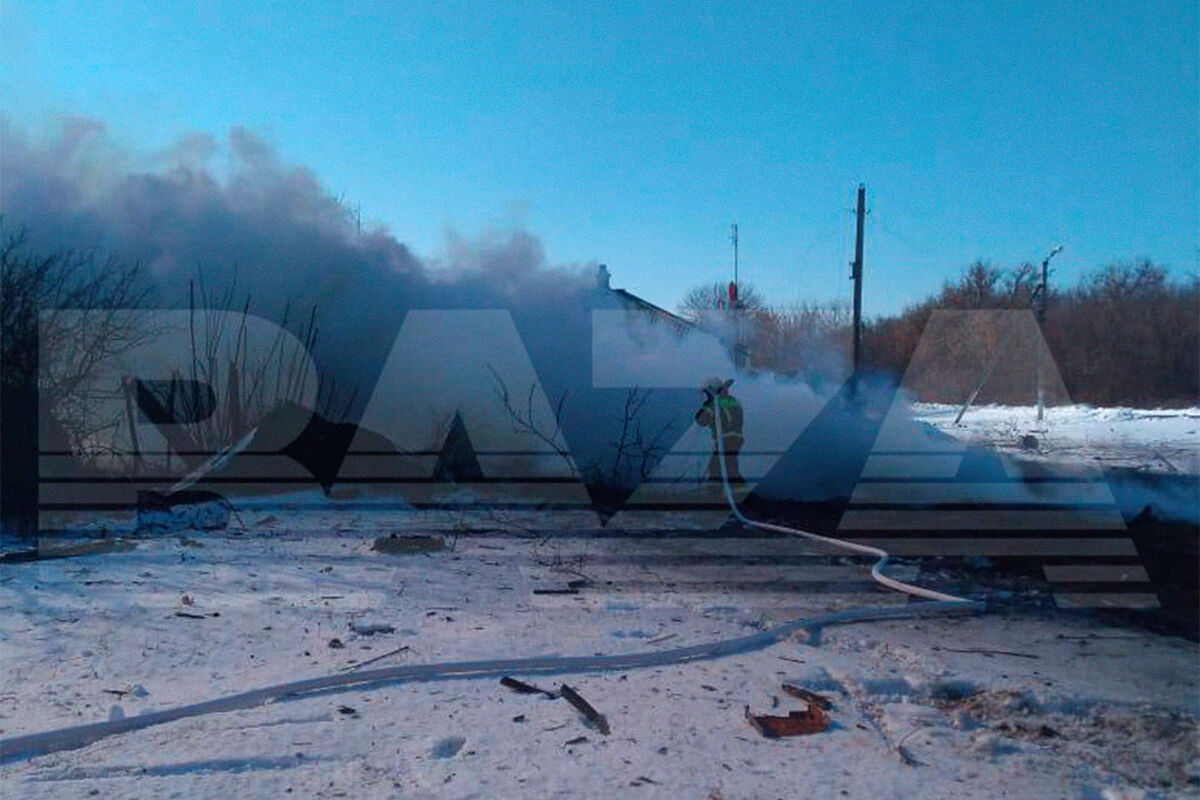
{"x":831,"y":230}
{"x":916,"y":248}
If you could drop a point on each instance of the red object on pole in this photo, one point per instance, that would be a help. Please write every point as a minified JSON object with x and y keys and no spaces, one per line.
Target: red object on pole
{"x":733,"y":294}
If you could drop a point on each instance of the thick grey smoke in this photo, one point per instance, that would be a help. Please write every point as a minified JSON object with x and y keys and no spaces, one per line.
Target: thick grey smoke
{"x":238,"y":215}
{"x":235,"y":214}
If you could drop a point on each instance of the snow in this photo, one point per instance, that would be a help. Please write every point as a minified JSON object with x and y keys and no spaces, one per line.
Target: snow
{"x":1158,"y":440}
{"x":1054,"y":705}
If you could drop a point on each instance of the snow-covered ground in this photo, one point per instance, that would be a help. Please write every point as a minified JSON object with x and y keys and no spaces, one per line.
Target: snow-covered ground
{"x":1166,"y":440}
{"x":1000,"y":705}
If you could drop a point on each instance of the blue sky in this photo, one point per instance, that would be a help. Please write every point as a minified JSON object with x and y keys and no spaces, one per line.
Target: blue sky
{"x":635,"y":133}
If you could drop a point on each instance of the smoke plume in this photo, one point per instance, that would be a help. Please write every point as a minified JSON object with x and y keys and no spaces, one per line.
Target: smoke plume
{"x":232,"y":213}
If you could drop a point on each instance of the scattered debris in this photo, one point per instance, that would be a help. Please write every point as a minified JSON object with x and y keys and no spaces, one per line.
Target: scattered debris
{"x":520,"y":687}
{"x":394,"y":544}
{"x":371,"y":628}
{"x":20,"y":556}
{"x":214,"y":463}
{"x":980,"y":563}
{"x":819,"y":700}
{"x":362,"y":664}
{"x":992,"y":744}
{"x":1093,"y":636}
{"x":187,"y":601}
{"x":907,"y":758}
{"x":1164,"y":459}
{"x":796,"y":723}
{"x":951,"y":690}
{"x":448,"y":747}
{"x":180,"y":511}
{"x":48,"y":548}
{"x":336,"y":643}
{"x":985,"y":651}
{"x":593,"y":716}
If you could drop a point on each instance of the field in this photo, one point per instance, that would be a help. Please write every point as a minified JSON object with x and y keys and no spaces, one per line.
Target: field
{"x":1029,"y":699}
{"x":1033,"y":704}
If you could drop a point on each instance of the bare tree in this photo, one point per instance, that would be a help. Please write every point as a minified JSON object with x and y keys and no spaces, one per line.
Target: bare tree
{"x":254,"y":383}
{"x":1021,"y":283}
{"x":40,"y":294}
{"x":51,"y":348}
{"x":37,"y":292}
{"x":714,"y":296}
{"x":527,"y":420}
{"x":806,"y":339}
{"x":634,"y":451}
{"x":1124,"y":334}
{"x":977,"y":288}
{"x":631,"y":454}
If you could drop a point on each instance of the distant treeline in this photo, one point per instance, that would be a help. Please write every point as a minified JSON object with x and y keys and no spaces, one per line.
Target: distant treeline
{"x":1126,"y":334}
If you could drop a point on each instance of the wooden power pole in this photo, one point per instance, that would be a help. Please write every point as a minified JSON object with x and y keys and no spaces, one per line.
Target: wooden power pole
{"x":856,"y":274}
{"x":733,"y":238}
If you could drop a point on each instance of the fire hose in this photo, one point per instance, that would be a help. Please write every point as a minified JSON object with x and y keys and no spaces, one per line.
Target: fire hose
{"x":854,"y":547}
{"x":18,"y":748}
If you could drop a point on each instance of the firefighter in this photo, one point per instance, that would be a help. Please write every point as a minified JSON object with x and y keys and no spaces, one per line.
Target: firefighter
{"x":716,"y":393}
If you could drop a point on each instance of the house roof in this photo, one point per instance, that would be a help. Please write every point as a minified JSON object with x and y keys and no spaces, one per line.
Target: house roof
{"x":630,"y":300}
{"x":633,"y":299}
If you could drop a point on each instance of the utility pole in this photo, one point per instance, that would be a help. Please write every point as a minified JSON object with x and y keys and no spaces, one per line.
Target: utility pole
{"x":1043,"y":290}
{"x":733,"y":238}
{"x":856,"y":271}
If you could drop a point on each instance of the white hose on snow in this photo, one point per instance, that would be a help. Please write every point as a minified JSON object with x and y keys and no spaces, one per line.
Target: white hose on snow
{"x":876,"y":569}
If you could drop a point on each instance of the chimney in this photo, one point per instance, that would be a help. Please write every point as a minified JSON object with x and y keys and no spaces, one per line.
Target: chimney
{"x":602,"y":277}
